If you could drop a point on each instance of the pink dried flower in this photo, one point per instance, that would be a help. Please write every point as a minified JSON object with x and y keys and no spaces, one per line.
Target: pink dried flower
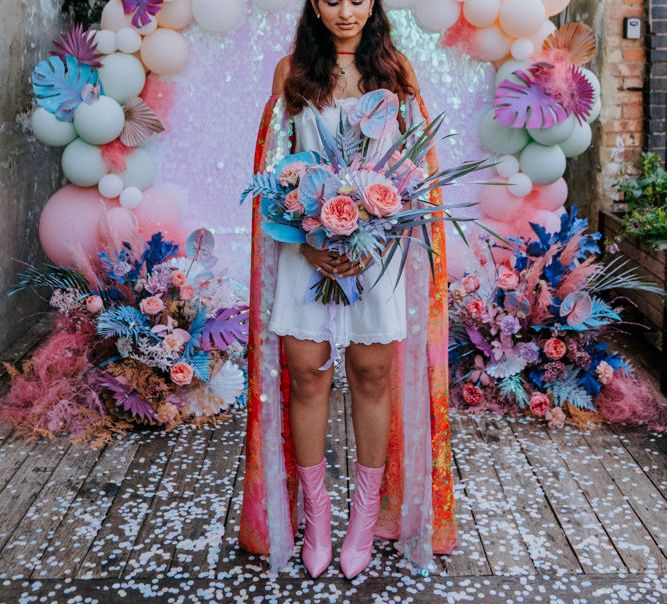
{"x":605,"y":372}
{"x":476,"y":308}
{"x":94,"y":304}
{"x":470,"y":284}
{"x":555,"y":418}
{"x":187,"y":292}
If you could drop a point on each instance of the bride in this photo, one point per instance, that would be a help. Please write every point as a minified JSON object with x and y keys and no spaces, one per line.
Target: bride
{"x":395,"y":338}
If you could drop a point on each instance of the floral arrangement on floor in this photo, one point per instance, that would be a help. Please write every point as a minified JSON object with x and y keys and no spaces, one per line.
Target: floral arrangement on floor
{"x":528,"y":332}
{"x":160,"y":339}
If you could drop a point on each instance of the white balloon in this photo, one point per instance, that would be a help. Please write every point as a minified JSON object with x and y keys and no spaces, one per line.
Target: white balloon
{"x":522,"y":49}
{"x":216,"y":16}
{"x":131,"y":197}
{"x":542,"y":34}
{"x":522,"y":18}
{"x":519,"y":185}
{"x":128,"y":40}
{"x":123,"y":76}
{"x":83,"y":164}
{"x":507,"y":69}
{"x":436,"y":15}
{"x":110,"y":186}
{"x":398,"y":3}
{"x":273,"y":5}
{"x":508,"y":165}
{"x":50,"y":130}
{"x":553,"y":7}
{"x":595,"y":111}
{"x":481,"y":13}
{"x":114,"y":17}
{"x":556,"y":134}
{"x":139,"y":170}
{"x":579,"y":141}
{"x":106,"y":41}
{"x":99,"y":122}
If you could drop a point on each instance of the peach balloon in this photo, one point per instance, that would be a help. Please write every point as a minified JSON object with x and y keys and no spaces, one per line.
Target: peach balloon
{"x":553,"y":7}
{"x":490,"y":44}
{"x":114,"y":17}
{"x":68,"y":224}
{"x":176,"y":14}
{"x":164,"y":52}
{"x":522,"y":18}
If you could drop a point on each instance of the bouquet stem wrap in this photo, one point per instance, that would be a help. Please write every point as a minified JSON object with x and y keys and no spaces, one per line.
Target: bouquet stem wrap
{"x":417,"y":499}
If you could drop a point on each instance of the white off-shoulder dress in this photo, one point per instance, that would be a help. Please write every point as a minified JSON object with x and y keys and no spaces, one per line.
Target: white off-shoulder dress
{"x":379,"y":317}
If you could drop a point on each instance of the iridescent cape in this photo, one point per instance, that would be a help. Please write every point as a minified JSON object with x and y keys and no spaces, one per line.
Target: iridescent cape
{"x":417,"y":499}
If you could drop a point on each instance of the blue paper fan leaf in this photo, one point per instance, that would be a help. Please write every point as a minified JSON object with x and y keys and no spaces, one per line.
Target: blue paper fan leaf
{"x":200,"y":361}
{"x":317,"y":238}
{"x":312,"y":190}
{"x":283,"y":232}
{"x":195,"y":331}
{"x":229,"y":325}
{"x":59,"y":86}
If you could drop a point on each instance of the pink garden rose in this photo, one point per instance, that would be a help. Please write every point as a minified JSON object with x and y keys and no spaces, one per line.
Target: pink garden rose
{"x":507,"y":278}
{"x":292,"y":173}
{"x":94,"y":304}
{"x":292,"y":203}
{"x":178,"y":278}
{"x":151,"y":305}
{"x":310,"y":223}
{"x":470,"y":284}
{"x":187,"y":292}
{"x":381,"y":199}
{"x":476,"y":308}
{"x":472,"y":394}
{"x":556,"y":418}
{"x":340,"y":215}
{"x":539,"y":404}
{"x":555,"y":349}
{"x":181,"y":373}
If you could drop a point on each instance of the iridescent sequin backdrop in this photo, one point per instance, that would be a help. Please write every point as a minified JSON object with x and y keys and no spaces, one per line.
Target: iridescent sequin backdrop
{"x":219,"y":100}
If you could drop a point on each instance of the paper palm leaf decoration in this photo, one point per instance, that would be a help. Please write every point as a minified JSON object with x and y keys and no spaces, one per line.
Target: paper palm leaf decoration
{"x":228,"y":326}
{"x":527,"y":105}
{"x":141,"y":10}
{"x":59,"y":85}
{"x":574,"y":43}
{"x":567,"y":85}
{"x":140,"y":123}
{"x":80,"y":44}
{"x":127,"y":400}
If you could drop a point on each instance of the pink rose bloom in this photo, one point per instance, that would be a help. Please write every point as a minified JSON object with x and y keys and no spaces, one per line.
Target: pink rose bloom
{"x":181,"y":373}
{"x":408,"y":172}
{"x":309,"y":223}
{"x":470,"y":284}
{"x":472,"y":394}
{"x":94,"y":304}
{"x":507,"y":278}
{"x":556,"y":418}
{"x":381,"y":199}
{"x":178,"y":278}
{"x":605,"y":372}
{"x":292,"y":173}
{"x":539,"y":404}
{"x":151,"y":305}
{"x":340,"y":215}
{"x":476,"y":308}
{"x":187,"y":292}
{"x":292,"y":203}
{"x":554,"y":348}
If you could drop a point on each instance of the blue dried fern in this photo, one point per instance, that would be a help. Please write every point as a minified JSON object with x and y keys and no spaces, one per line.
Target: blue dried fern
{"x":265,"y":184}
{"x":512,"y":388}
{"x":569,"y":389}
{"x":122,"y":321}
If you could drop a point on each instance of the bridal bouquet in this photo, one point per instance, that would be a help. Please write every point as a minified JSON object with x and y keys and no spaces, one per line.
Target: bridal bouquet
{"x":354,"y":202}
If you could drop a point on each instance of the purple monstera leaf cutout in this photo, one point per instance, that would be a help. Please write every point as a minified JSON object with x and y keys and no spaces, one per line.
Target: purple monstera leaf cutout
{"x":228,"y":326}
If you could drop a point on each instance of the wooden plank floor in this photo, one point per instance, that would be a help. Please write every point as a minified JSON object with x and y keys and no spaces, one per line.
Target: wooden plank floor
{"x":545,"y":516}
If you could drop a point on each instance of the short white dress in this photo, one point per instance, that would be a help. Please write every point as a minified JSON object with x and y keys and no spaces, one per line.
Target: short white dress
{"x":379,"y":317}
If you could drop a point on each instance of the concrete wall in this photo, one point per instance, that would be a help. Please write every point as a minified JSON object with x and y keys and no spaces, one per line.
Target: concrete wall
{"x":29,"y":172}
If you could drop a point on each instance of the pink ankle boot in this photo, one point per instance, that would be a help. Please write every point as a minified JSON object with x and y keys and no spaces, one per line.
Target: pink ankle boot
{"x":316,"y":552}
{"x":358,"y":543}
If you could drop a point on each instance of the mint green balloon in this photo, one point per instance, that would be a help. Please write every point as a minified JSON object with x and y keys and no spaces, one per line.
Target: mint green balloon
{"x":123,"y":76}
{"x":140,"y":170}
{"x":506,"y":70}
{"x":83,"y":164}
{"x":99,"y":122}
{"x":543,"y":165}
{"x":579,"y":140}
{"x":501,"y":139}
{"x":50,"y":130}
{"x":556,"y":135}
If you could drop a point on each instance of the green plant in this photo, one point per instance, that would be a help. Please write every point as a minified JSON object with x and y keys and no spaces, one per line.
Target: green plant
{"x":649,"y":190}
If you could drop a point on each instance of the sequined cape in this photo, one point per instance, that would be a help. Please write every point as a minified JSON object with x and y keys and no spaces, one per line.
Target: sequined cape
{"x":417,"y":499}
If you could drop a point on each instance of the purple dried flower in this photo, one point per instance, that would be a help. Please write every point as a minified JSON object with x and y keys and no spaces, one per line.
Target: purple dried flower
{"x":529,"y":351}
{"x":141,"y":10}
{"x":510,"y":325}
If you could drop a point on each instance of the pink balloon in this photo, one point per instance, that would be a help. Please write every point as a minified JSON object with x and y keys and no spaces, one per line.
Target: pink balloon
{"x":498,"y":203}
{"x":161,"y":210}
{"x":118,"y":225}
{"x":68,"y":225}
{"x":549,"y":197}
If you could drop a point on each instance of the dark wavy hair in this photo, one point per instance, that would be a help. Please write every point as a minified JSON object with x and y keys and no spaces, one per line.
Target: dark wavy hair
{"x":312,"y":62}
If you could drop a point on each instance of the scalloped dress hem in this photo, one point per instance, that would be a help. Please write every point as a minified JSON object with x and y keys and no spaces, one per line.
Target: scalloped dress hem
{"x":381,"y":338}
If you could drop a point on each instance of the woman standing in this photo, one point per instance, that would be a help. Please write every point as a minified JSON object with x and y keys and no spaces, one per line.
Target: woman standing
{"x":395,"y":339}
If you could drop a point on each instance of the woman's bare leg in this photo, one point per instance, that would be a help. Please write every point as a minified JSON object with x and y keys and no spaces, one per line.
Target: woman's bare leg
{"x":309,"y":397}
{"x":368,"y":368}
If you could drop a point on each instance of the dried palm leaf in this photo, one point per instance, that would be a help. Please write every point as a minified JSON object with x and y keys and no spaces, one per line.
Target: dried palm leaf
{"x":140,"y":123}
{"x":576,"y":40}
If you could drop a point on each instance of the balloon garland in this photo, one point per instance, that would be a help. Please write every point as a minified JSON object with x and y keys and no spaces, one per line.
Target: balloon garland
{"x":101,"y":96}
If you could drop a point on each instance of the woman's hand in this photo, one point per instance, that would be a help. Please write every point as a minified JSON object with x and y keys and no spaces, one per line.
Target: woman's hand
{"x":324,"y":261}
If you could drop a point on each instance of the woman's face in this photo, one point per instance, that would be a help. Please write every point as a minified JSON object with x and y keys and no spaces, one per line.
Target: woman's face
{"x":343,"y":18}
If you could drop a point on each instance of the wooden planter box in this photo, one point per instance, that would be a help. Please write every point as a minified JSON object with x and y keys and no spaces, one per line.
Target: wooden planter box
{"x":652,"y":264}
